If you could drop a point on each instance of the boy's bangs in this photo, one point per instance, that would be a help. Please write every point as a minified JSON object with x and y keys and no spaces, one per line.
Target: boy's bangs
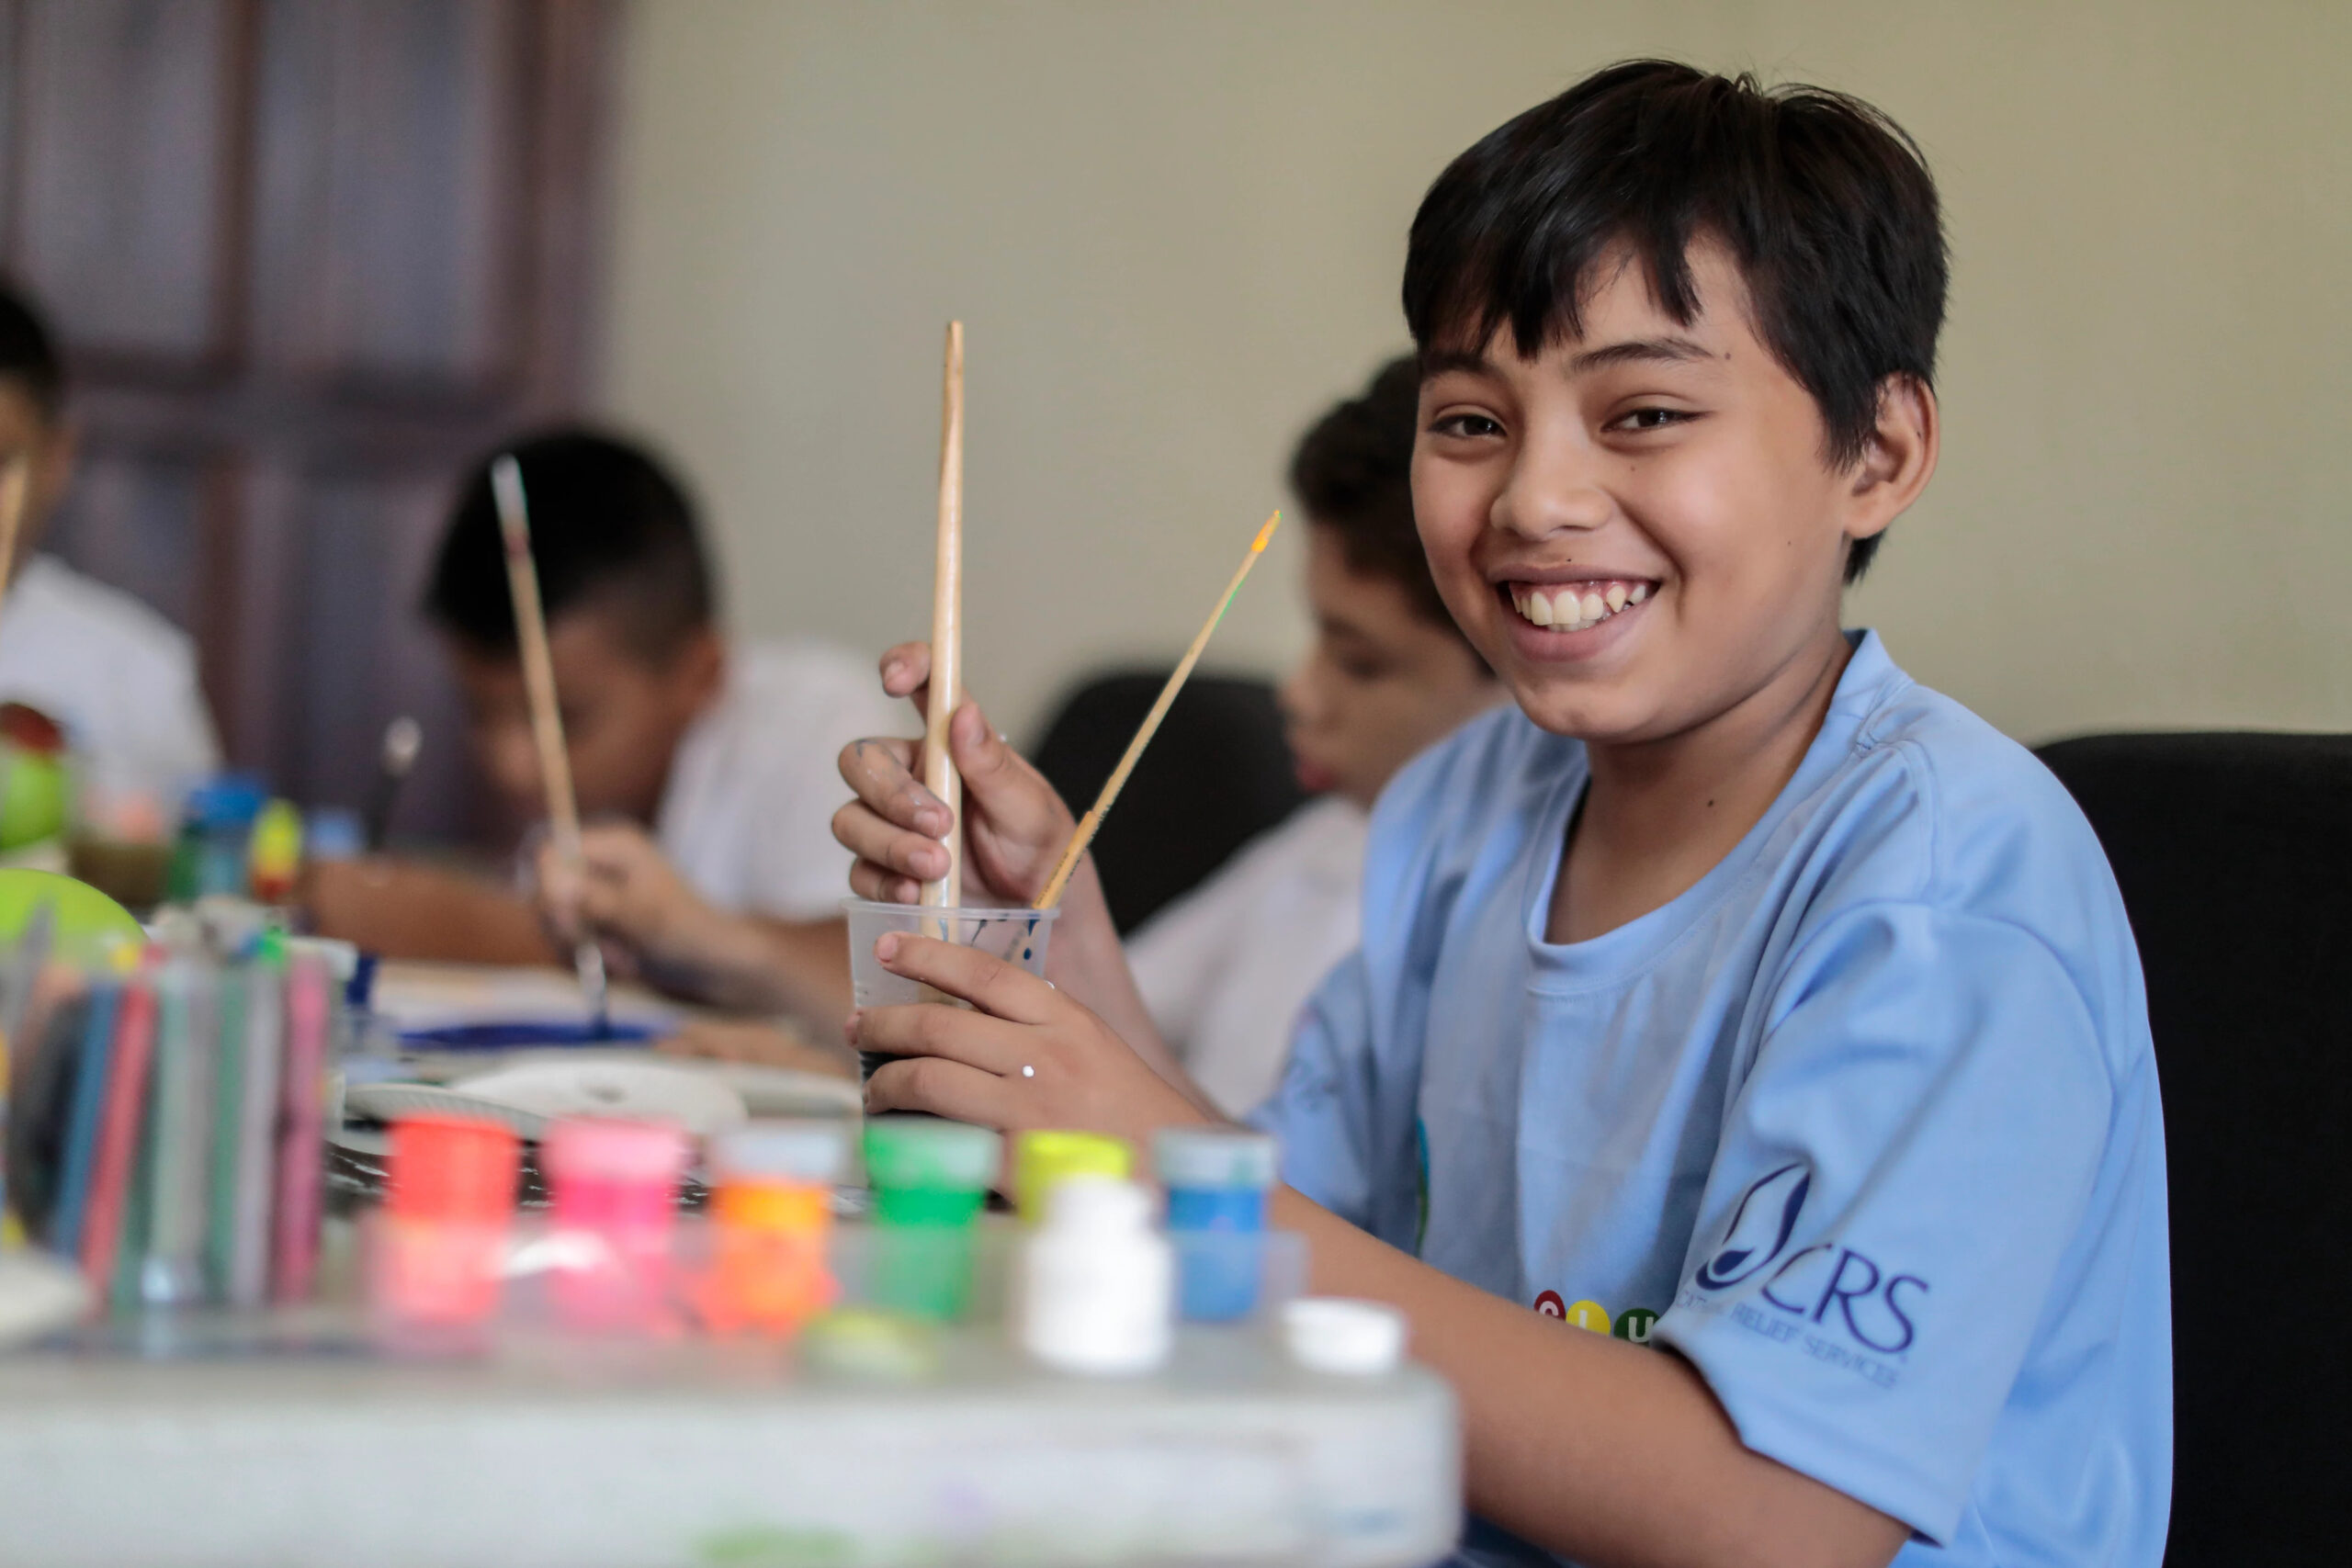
{"x":1537,"y":283}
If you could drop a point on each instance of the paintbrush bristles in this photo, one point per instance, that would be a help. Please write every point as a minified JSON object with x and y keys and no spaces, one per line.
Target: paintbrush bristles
{"x":1088,"y":823}
{"x":947,"y":626}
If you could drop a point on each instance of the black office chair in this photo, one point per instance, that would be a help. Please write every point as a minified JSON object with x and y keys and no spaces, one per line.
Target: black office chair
{"x":1216,"y":775}
{"x":2235,"y":855}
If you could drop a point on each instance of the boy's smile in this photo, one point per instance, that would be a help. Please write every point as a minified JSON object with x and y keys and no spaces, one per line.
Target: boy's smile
{"x":1638,"y":527}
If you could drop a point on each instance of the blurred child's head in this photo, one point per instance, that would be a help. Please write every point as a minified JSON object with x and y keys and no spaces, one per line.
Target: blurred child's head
{"x":1389,"y":671}
{"x":1677,"y":338}
{"x":631,"y":613}
{"x":32,"y":408}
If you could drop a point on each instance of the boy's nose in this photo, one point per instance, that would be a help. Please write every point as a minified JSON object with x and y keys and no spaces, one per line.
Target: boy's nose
{"x":1551,"y":491}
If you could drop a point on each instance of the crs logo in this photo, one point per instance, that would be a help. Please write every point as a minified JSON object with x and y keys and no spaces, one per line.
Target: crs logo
{"x":1870,"y":1301}
{"x":1759,"y":1227}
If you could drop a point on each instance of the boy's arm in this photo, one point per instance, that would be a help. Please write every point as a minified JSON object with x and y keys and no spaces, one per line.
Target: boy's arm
{"x":1609,"y":1453}
{"x":1600,"y":1449}
{"x":405,"y":910}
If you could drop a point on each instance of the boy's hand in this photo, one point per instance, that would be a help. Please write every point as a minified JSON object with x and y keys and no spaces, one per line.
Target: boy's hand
{"x":1029,"y":1056}
{"x":629,"y":896}
{"x":1014,"y":825}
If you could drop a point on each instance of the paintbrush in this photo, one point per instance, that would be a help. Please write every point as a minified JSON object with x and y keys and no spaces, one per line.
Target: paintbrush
{"x":1118,"y":779}
{"x":546,"y":719}
{"x":939,"y":773}
{"x":403,"y":738}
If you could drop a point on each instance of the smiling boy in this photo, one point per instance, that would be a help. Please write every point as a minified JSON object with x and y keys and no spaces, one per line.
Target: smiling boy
{"x":1735,"y":997}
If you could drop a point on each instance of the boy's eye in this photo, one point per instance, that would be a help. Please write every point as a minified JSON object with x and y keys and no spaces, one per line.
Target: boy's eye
{"x":1472,"y":425}
{"x":1364,"y":669}
{"x":1650,"y":418}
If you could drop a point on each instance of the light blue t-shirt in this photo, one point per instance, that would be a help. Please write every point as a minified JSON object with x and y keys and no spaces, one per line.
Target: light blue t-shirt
{"x":1864,"y":1124}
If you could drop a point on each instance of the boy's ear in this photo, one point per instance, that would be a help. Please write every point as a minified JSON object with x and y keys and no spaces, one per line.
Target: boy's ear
{"x":1900,"y":457}
{"x":699,"y":667}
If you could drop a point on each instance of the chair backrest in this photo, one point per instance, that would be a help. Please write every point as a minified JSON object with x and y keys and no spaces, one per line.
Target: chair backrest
{"x":2235,"y":855}
{"x":1216,"y":775}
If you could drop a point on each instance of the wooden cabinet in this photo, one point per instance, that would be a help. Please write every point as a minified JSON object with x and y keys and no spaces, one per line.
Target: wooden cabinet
{"x":309,"y":257}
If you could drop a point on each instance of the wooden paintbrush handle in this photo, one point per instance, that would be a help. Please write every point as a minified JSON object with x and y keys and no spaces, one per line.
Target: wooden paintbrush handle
{"x":947,"y":626}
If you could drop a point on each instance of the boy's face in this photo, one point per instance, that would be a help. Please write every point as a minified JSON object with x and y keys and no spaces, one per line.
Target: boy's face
{"x":1379,"y":684}
{"x":623,"y":715}
{"x":1638,"y":528}
{"x":24,"y":429}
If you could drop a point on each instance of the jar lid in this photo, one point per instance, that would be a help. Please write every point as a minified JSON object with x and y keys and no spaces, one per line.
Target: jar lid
{"x":1344,"y":1336}
{"x":612,"y":1148}
{"x":781,"y":1150}
{"x":1193,"y":1157}
{"x":1097,"y":1205}
{"x":452,"y":1168}
{"x":1046,"y":1157}
{"x":926,"y":1152}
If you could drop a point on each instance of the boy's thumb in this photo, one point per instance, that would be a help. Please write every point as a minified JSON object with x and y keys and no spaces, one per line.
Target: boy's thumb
{"x":1013,"y":795}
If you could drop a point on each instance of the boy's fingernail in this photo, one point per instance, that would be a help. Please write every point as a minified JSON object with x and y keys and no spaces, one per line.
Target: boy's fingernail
{"x":888,"y":948}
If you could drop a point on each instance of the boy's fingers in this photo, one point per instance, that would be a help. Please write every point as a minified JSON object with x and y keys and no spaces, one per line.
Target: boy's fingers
{"x":881,"y":773}
{"x":1000,"y":989}
{"x":906,"y":667}
{"x":1016,"y":799}
{"x":906,"y":673}
{"x":939,"y":1089}
{"x":928,"y":1028}
{"x":877,"y":885}
{"x":886,"y":846}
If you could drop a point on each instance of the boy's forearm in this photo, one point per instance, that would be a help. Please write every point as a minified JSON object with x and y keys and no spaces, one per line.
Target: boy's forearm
{"x":1600,"y":1449}
{"x":405,"y":910}
{"x":1093,"y":965}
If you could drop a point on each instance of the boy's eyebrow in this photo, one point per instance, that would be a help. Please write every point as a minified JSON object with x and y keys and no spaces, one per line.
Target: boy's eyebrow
{"x":1669,"y":349}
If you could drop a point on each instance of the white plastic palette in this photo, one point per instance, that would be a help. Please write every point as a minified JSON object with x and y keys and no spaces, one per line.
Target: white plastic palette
{"x":525,"y":1091}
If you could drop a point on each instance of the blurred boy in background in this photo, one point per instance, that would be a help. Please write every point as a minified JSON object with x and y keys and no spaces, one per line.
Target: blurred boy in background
{"x":703,"y":769}
{"x":117,"y":677}
{"x":1226,"y":970}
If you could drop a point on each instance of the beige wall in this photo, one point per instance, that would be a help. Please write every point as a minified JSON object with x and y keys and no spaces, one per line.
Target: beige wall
{"x":1174,"y":231}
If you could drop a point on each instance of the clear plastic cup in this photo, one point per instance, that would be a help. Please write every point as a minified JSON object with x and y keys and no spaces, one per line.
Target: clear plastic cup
{"x":1016,"y":935}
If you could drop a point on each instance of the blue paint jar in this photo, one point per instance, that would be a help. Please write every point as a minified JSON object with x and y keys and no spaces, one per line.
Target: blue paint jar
{"x":1218,"y":1179}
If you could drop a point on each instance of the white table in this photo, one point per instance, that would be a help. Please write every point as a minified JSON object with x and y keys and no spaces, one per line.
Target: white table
{"x":717,"y":1455}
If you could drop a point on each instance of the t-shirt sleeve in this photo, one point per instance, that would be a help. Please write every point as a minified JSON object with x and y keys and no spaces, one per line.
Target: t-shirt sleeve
{"x":1899,"y":1176}
{"x":1326,"y":1112}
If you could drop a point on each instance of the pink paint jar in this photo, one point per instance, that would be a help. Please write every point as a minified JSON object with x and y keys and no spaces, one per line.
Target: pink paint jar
{"x":613,"y":1221}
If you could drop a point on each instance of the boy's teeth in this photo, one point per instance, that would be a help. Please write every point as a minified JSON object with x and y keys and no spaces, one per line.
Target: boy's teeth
{"x":1575,"y":608}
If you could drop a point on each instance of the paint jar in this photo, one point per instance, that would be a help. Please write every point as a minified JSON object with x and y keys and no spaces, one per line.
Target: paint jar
{"x":929,"y":1177}
{"x":1217,"y":1179}
{"x":770,"y":1215}
{"x":1097,"y":1283}
{"x":1043,"y":1158}
{"x":1017,"y":935}
{"x":442,"y":1239}
{"x":612,"y":1209}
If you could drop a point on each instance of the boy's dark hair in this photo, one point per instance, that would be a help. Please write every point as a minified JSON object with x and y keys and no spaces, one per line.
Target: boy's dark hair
{"x":1352,"y":471}
{"x":611,"y":529}
{"x":28,"y":354}
{"x":1825,"y":204}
